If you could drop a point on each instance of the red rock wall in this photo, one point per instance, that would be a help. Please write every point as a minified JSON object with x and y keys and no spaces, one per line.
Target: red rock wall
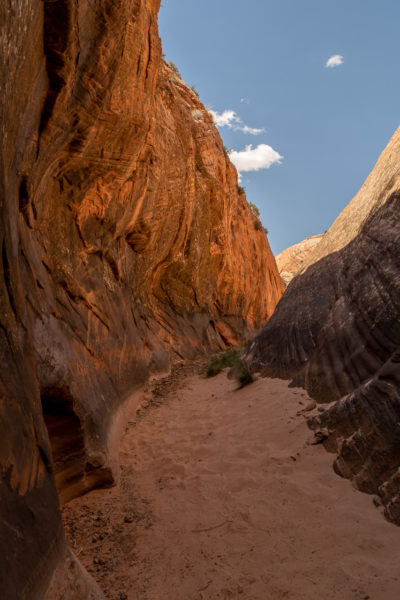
{"x":125,"y":244}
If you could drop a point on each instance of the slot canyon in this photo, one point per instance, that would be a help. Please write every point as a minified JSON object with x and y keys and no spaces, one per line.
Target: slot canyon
{"x":130,"y":255}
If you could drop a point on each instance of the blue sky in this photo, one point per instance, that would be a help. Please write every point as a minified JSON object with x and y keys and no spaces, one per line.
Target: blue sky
{"x":266,"y":61}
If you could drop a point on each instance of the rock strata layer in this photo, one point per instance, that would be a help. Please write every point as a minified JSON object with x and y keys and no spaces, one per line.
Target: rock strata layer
{"x":336,"y":331}
{"x":125,"y":245}
{"x":291,"y":260}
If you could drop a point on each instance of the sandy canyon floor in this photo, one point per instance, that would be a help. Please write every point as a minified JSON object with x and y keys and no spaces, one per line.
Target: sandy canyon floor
{"x":223,"y":495}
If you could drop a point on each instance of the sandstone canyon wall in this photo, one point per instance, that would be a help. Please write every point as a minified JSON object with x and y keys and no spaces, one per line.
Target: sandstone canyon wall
{"x":125,"y":244}
{"x":336,"y":332}
{"x":290,"y":261}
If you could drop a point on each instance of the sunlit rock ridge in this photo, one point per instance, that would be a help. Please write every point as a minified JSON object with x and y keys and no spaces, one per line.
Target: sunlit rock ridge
{"x":291,"y":260}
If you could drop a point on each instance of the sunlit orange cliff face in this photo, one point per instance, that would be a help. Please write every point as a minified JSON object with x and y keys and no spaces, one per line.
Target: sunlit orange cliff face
{"x":125,"y":245}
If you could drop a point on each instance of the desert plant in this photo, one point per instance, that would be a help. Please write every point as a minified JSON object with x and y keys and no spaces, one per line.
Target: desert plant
{"x":241,"y":372}
{"x":195,"y":91}
{"x":174,"y":67}
{"x":214,"y":367}
{"x":238,"y":368}
{"x":221,"y":361}
{"x":245,"y":376}
{"x":254,"y":209}
{"x":174,"y":78}
{"x":241,"y":189}
{"x":257,"y":225}
{"x":266,"y":230}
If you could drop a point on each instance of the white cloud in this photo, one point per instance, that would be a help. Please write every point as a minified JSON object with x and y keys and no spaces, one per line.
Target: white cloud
{"x":226,"y":119}
{"x":334,"y":61}
{"x":245,"y":100}
{"x":254,"y":159}
{"x":251,"y":130}
{"x":230,"y":119}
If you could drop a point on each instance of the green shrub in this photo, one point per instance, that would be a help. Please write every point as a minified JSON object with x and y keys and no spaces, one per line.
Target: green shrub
{"x":254,"y":209}
{"x":238,"y":368}
{"x":174,"y":67}
{"x":245,"y":377}
{"x":213,"y":367}
{"x":221,"y":361}
{"x":241,"y":372}
{"x":195,"y":91}
{"x":174,"y":78}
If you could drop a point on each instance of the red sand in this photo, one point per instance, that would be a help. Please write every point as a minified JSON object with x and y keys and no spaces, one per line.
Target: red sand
{"x":222,"y":496}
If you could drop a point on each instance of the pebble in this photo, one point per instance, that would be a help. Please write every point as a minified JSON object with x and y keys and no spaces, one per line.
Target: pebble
{"x":128,"y":519}
{"x":310,"y":406}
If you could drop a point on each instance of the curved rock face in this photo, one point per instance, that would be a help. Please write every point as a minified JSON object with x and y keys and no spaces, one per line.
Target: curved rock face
{"x":125,"y":244}
{"x":383,"y":180}
{"x":291,"y":260}
{"x":336,"y":331}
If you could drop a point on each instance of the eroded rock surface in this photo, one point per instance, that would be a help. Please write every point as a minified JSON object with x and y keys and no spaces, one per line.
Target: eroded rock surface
{"x":291,"y":260}
{"x":336,"y":331}
{"x":125,"y":244}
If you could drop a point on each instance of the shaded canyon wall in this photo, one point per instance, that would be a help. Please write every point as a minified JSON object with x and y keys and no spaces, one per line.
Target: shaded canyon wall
{"x":336,"y":331}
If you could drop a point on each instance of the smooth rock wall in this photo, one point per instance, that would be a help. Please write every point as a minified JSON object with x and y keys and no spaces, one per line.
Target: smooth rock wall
{"x":336,"y":332}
